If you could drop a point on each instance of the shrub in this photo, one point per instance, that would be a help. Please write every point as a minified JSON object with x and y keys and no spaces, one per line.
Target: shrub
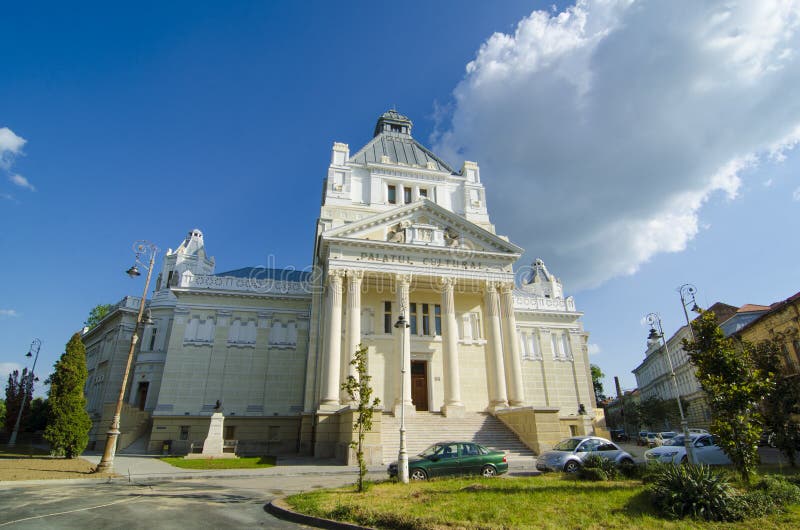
{"x":595,"y":462}
{"x":592,"y":473}
{"x":694,"y":491}
{"x":631,"y":470}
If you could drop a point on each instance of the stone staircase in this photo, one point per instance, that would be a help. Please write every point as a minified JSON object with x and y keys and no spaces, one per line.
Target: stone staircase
{"x":426,"y":428}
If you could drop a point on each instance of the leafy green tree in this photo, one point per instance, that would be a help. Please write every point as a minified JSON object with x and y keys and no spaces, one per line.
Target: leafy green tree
{"x":360,"y":391}
{"x":597,"y":382}
{"x":98,"y":313}
{"x":18,"y":385}
{"x":2,"y":413}
{"x":69,"y":423}
{"x":735,"y":386}
{"x":781,"y":407}
{"x":37,"y":417}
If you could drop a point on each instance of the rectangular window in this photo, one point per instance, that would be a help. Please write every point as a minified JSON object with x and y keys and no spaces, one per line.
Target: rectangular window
{"x":437,"y":319}
{"x":392,"y":194}
{"x":412,"y":317}
{"x":426,"y":320}
{"x":387,"y":317}
{"x":230,"y":432}
{"x":153,"y":334}
{"x":423,"y":192}
{"x":474,"y":198}
{"x":184,"y":432}
{"x":169,"y":279}
{"x":406,"y":195}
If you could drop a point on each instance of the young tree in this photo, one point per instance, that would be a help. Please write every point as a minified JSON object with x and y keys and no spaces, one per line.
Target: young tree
{"x":360,"y":391}
{"x":781,"y":407}
{"x":69,"y":423}
{"x":17,"y":387}
{"x":597,"y":382}
{"x":97,"y":314}
{"x":735,"y":385}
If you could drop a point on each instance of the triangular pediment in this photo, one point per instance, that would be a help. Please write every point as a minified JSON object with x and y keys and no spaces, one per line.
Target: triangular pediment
{"x":424,"y":224}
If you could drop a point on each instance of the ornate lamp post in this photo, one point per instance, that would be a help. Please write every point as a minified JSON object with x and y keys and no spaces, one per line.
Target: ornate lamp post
{"x":142,"y":249}
{"x":402,"y":457}
{"x":654,"y":319}
{"x":687,"y":292}
{"x":32,"y":352}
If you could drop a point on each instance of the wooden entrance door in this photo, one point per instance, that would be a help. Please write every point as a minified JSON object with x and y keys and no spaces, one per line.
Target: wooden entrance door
{"x":141,"y":394}
{"x":419,"y":384}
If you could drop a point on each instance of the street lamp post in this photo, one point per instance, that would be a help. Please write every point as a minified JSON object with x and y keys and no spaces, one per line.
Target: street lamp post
{"x":654,"y":319}
{"x":402,"y":457}
{"x":687,"y":292}
{"x":142,"y":249}
{"x":35,"y":346}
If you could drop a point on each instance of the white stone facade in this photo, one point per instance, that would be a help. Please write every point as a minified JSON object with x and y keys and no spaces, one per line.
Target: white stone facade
{"x":399,"y":232}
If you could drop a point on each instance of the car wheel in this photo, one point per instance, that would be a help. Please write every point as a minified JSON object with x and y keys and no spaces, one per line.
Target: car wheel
{"x":418,"y":474}
{"x":489,"y":471}
{"x":571,"y":467}
{"x":626,"y":462}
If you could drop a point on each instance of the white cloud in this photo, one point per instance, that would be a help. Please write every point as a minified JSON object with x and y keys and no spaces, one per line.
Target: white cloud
{"x":796,"y":194}
{"x":22,"y":182}
{"x":603,"y":129}
{"x":6,"y":196}
{"x":593,"y":349}
{"x":10,"y":145}
{"x":8,"y":313}
{"x":6,"y":369}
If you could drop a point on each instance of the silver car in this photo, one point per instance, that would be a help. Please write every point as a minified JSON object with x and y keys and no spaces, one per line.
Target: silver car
{"x":568,"y":455}
{"x":704,"y":449}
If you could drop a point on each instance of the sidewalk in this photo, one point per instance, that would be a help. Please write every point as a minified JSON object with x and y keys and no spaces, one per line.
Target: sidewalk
{"x":140,"y":468}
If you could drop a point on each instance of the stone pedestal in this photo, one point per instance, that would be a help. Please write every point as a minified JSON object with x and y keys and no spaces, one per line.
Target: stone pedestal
{"x":213,"y":444}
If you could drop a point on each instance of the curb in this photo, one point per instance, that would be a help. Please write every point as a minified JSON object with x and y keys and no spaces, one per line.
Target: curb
{"x":280,"y":509}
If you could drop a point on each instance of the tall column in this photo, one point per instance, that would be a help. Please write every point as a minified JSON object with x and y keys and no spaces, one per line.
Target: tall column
{"x":513,"y":365}
{"x":353,"y":330}
{"x":403,"y":284}
{"x":333,"y":342}
{"x":452,"y":381}
{"x":494,"y":347}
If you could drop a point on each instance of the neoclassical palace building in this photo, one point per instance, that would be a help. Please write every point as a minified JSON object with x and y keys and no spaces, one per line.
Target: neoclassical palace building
{"x":400,"y":232}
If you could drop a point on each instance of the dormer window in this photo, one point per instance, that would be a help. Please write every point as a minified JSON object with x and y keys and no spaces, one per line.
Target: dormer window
{"x":423,"y":193}
{"x":391,"y":195}
{"x":406,"y":195}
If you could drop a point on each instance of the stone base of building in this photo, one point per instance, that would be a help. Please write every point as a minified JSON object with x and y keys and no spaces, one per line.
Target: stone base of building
{"x":454,"y":411}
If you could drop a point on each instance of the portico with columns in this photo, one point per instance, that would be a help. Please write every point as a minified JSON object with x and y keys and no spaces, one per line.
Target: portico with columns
{"x":402,"y":233}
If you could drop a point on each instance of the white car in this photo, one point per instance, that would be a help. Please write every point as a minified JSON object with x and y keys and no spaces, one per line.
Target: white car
{"x":698,"y":431}
{"x":674,"y":451}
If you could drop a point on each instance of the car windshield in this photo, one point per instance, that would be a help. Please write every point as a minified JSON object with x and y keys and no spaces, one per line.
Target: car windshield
{"x":567,"y":445}
{"x":668,"y":435}
{"x":676,"y":441}
{"x":432,"y":450}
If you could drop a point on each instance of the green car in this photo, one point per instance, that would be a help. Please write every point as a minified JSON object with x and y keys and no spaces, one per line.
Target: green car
{"x":454,"y":458}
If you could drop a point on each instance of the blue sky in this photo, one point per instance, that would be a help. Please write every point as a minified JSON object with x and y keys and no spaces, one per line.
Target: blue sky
{"x":633,"y":150}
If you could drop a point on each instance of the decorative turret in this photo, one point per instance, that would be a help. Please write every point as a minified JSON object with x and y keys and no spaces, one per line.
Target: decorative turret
{"x":189,"y":256}
{"x":540,"y":282}
{"x":392,"y":121}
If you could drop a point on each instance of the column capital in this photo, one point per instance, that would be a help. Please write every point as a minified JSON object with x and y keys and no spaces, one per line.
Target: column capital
{"x":403,"y":279}
{"x":335,"y":277}
{"x":447,"y":282}
{"x":490,"y":286}
{"x":355,"y":274}
{"x":506,"y":287}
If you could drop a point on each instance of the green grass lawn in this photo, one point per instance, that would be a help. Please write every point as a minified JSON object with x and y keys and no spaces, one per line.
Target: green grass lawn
{"x":21,"y":451}
{"x":252,"y":462}
{"x":547,"y":501}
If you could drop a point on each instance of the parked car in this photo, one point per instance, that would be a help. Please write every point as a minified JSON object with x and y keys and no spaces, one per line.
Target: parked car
{"x":663,"y":437}
{"x":698,"y":431}
{"x":619,"y":435}
{"x":704,"y":449}
{"x":652,"y":438}
{"x":454,"y":458}
{"x":568,"y":455}
{"x":641,"y":439}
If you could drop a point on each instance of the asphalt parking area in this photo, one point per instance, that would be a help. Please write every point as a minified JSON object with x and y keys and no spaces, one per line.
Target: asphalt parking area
{"x":179,"y":504}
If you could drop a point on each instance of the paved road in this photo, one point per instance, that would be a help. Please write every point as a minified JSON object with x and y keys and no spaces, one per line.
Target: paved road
{"x":219,"y":502}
